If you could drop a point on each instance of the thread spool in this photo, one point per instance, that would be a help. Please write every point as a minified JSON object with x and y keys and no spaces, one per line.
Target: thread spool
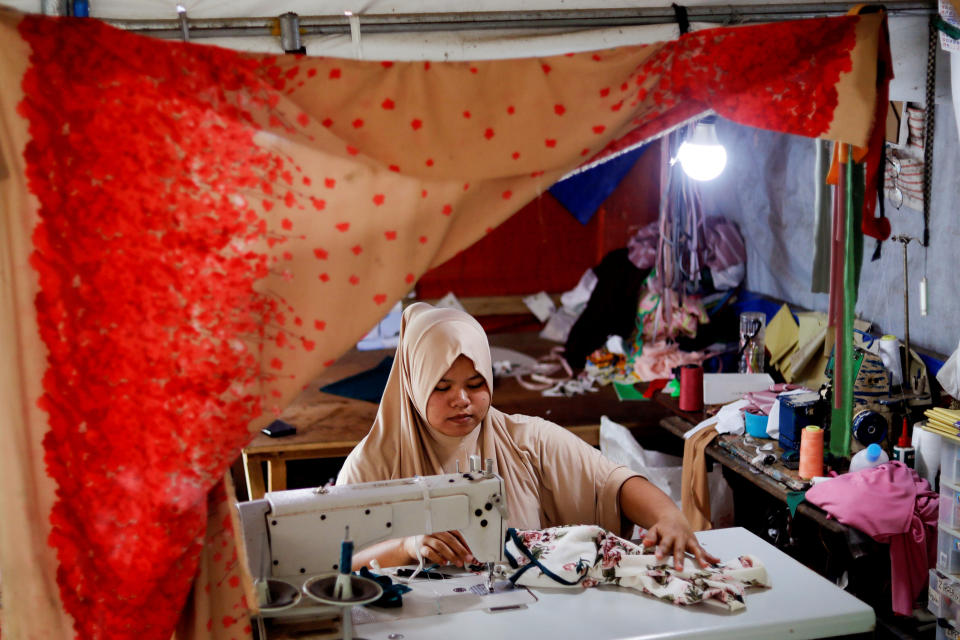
{"x":811,"y":452}
{"x":869,"y":427}
{"x":691,"y":387}
{"x":890,"y":354}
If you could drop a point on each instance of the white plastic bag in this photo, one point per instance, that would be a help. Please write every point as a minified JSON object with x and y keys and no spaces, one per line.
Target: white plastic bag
{"x":663,"y":470}
{"x":949,"y":374}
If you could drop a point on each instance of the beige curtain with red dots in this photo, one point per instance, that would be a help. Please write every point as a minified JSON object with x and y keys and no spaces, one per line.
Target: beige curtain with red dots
{"x":189,"y":235}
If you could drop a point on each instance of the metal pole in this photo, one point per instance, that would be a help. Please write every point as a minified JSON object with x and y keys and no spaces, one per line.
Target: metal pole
{"x":905,"y":240}
{"x":184,"y":23}
{"x":54,"y":7}
{"x":290,"y":33}
{"x":480,"y":20}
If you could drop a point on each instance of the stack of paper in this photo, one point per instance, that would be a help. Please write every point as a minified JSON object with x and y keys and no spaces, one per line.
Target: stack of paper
{"x":800,"y":351}
{"x":782,"y":338}
{"x":944,"y":421}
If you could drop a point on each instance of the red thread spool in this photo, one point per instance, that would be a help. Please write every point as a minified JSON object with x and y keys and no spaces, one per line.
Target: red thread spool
{"x":691,"y":387}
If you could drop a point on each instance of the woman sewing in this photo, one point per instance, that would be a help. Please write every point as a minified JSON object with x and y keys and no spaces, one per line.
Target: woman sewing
{"x":436,"y":413}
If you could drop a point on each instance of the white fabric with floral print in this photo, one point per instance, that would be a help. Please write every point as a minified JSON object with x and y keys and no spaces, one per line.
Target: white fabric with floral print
{"x":586,"y":555}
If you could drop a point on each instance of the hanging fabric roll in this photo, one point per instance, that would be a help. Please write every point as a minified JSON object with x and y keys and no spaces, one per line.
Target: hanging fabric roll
{"x":840,"y":426}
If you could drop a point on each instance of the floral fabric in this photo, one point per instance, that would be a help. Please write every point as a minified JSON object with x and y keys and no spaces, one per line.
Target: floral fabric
{"x":584,"y":556}
{"x":190,"y":234}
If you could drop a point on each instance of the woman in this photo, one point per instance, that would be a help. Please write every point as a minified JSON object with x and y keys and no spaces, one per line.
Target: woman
{"x":435,"y":413}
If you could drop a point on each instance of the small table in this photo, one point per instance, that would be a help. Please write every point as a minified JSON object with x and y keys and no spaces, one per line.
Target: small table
{"x":330,"y":426}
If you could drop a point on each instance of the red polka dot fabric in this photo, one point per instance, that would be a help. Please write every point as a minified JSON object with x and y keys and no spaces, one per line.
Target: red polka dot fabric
{"x":200,"y":232}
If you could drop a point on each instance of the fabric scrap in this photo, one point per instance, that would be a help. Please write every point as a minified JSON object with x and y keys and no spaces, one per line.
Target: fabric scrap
{"x":367,"y":385}
{"x":584,"y":556}
{"x":658,"y":359}
{"x":694,"y":483}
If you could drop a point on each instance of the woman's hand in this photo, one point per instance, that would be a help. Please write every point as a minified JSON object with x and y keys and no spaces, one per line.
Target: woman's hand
{"x":673,"y":535}
{"x":447,"y":547}
{"x":644,"y":503}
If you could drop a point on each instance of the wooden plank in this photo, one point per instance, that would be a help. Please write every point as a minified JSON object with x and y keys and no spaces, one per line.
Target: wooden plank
{"x":254,"y":475}
{"x":588,"y":433}
{"x":497,"y":305}
{"x":276,"y":474}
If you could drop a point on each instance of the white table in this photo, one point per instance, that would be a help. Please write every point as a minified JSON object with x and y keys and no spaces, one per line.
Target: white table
{"x":801,"y":604}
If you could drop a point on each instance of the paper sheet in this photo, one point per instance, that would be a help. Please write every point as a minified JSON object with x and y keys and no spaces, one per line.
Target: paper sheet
{"x":807,"y":362}
{"x":781,"y":335}
{"x":723,"y":388}
{"x":628,"y":392}
{"x":540,"y":305}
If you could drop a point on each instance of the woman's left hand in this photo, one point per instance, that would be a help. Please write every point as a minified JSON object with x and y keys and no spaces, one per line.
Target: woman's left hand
{"x":672,"y":535}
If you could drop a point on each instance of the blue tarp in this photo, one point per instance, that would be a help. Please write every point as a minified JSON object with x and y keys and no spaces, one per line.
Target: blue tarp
{"x":583,"y":193}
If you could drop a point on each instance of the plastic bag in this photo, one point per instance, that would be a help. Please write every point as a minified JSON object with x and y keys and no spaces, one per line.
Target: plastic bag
{"x":949,"y":374}
{"x":665,"y":471}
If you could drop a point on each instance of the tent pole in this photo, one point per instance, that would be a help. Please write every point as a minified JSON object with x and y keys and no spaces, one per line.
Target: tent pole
{"x":480,"y":20}
{"x":54,"y":7}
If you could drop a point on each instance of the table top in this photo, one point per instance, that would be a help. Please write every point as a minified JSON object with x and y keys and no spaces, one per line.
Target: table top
{"x":800,"y":604}
{"x":332,"y":421}
{"x":730,"y":450}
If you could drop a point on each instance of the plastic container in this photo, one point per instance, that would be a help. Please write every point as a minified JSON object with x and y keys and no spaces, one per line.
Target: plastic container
{"x":753,"y":326}
{"x":950,"y":461}
{"x":755,"y":424}
{"x":948,"y":550}
{"x":950,"y":505}
{"x":872,"y":456}
{"x":943,"y":597}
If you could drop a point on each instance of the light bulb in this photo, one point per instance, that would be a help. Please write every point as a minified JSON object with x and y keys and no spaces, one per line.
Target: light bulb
{"x":701,"y":155}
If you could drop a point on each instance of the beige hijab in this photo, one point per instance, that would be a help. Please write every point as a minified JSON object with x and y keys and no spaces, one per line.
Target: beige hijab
{"x":402,"y":444}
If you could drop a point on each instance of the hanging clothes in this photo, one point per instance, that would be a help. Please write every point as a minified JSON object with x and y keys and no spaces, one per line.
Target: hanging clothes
{"x":694,"y":483}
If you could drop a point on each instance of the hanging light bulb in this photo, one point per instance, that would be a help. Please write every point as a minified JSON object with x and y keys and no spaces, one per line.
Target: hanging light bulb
{"x":701,"y":155}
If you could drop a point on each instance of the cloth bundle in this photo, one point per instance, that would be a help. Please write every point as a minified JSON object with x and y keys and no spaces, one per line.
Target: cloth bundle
{"x":895,"y":506}
{"x":586,"y":555}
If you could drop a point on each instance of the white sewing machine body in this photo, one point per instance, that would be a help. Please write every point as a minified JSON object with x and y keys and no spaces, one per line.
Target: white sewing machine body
{"x":296,"y":534}
{"x":304,"y":527}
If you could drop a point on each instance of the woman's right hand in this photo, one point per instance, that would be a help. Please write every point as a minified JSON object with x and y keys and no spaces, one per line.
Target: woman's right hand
{"x":447,"y":547}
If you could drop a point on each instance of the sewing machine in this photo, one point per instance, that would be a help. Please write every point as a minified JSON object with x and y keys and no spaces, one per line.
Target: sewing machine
{"x":293,"y":536}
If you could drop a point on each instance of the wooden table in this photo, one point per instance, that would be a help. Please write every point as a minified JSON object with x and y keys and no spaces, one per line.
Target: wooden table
{"x":724,"y":450}
{"x":329,"y":426}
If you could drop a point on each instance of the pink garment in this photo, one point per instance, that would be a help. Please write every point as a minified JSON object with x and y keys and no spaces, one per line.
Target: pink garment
{"x":724,"y":244}
{"x":643,"y":246}
{"x":891,"y":504}
{"x":762,"y":401}
{"x":658,"y":359}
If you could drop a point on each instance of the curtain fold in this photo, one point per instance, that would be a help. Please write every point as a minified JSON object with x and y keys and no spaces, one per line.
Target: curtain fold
{"x":189,"y":235}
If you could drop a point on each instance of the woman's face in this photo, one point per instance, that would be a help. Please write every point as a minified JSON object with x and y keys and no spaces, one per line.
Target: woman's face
{"x":460,"y":400}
